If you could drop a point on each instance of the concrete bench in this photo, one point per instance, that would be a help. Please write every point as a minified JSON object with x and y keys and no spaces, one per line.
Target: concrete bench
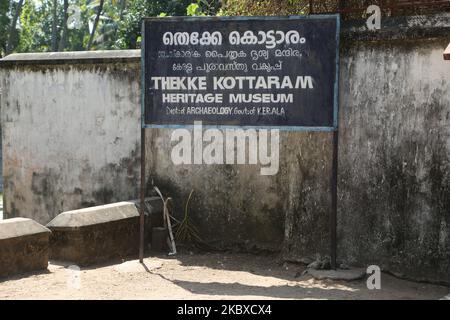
{"x":97,"y":234}
{"x":24,"y":246}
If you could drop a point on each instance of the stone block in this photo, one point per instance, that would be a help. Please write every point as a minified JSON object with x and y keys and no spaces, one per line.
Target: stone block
{"x":24,"y":246}
{"x":96,"y":234}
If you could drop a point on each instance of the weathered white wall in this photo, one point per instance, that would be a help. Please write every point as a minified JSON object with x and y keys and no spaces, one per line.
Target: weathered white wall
{"x":70,"y":137}
{"x":394,"y":179}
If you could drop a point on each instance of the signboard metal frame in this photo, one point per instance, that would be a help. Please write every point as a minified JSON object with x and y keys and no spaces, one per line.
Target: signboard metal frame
{"x":334,"y":129}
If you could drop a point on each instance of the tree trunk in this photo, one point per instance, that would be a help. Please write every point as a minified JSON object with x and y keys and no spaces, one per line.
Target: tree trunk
{"x":54,"y":44}
{"x":62,"y":42}
{"x":94,"y":28}
{"x":13,"y":32}
{"x":123,"y":4}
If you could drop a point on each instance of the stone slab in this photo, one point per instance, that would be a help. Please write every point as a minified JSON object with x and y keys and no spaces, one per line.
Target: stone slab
{"x":19,"y":227}
{"x":96,"y":234}
{"x":24,"y":246}
{"x":94,"y":215}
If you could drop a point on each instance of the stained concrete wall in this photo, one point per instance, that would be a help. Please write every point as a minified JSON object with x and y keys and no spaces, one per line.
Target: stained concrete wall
{"x":70,"y":132}
{"x":71,"y":139}
{"x":394,"y":177}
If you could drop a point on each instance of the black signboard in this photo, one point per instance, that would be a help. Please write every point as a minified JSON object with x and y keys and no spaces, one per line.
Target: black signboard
{"x":278,"y":72}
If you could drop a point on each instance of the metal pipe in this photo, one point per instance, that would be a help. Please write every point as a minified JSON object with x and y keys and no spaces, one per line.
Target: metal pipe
{"x":333,"y":211}
{"x":142,"y":199}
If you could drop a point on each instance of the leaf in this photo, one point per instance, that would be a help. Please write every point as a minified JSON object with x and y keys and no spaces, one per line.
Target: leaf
{"x":192,"y":9}
{"x":93,"y":4}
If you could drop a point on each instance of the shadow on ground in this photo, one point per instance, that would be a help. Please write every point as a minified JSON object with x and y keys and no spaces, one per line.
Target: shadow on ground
{"x":267,"y":265}
{"x":281,"y":292}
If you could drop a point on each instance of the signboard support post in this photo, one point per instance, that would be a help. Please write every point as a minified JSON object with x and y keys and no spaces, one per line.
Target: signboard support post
{"x":142,"y":198}
{"x":333,"y":212}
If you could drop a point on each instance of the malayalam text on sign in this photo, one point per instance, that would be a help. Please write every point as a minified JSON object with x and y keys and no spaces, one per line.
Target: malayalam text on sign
{"x":277,"y":71}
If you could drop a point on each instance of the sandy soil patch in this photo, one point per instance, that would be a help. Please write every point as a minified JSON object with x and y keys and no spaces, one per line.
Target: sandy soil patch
{"x":202,"y":276}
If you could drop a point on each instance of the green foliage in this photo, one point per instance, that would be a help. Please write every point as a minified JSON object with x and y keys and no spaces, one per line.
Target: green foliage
{"x":265,"y":7}
{"x":33,"y":21}
{"x":130,"y":26}
{"x":203,"y":8}
{"x":4,"y":25}
{"x":119,"y":25}
{"x":78,"y":23}
{"x":193,"y":9}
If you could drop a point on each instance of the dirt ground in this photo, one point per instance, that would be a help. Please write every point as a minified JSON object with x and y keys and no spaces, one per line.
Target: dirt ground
{"x":202,"y":276}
